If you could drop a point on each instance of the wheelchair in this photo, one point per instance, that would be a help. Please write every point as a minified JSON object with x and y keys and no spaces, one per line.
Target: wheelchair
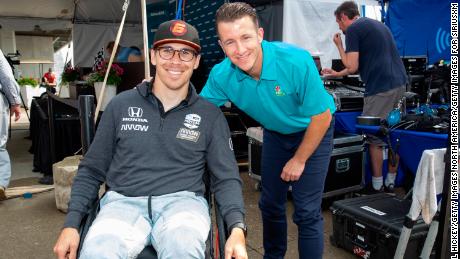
{"x":218,"y":234}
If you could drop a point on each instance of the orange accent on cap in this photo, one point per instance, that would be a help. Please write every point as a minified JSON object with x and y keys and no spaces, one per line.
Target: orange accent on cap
{"x":178,"y":28}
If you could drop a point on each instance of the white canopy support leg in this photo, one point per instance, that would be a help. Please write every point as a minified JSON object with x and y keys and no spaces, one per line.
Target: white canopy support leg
{"x":146,"y":41}
{"x":112,"y":56}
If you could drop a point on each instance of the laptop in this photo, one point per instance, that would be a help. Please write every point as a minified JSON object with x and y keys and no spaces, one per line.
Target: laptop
{"x":317,"y":61}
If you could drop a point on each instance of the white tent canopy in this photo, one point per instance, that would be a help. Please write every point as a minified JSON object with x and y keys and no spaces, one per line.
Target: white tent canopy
{"x":93,"y":23}
{"x":311,"y":25}
{"x":52,"y":13}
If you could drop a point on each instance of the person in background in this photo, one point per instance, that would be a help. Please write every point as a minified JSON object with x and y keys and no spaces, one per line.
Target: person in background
{"x":125,"y":54}
{"x":371,"y":50}
{"x":180,"y":133}
{"x":10,"y":101}
{"x":50,"y":77}
{"x":278,"y":85}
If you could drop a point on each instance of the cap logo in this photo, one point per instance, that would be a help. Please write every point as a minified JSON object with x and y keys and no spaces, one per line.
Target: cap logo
{"x":178,"y":28}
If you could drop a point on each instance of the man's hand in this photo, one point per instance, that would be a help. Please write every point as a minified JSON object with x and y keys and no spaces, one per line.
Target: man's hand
{"x":16,"y":110}
{"x":337,"y":39}
{"x":235,"y":247}
{"x":293,"y":170}
{"x":329,"y":72}
{"x":67,"y":244}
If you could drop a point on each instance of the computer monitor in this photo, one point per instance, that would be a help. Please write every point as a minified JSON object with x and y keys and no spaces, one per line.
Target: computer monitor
{"x":337,"y":65}
{"x":317,"y":60}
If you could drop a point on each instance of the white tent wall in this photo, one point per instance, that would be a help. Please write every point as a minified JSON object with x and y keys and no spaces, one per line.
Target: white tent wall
{"x":7,"y":41}
{"x":36,"y":55}
{"x":311,"y":25}
{"x":60,"y":59}
{"x":90,"y":38}
{"x":28,"y":24}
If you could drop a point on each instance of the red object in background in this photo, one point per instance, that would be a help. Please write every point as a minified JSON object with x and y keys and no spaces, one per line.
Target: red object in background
{"x":50,"y":77}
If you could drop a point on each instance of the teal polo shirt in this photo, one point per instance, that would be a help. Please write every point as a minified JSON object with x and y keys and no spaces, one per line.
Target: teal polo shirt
{"x":288,"y":93}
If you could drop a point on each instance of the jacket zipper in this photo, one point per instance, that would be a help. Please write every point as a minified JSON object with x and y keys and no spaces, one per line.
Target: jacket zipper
{"x":163,"y":114}
{"x":161,"y":109}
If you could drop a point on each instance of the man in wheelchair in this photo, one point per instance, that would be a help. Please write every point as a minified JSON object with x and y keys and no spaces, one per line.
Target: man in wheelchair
{"x":151,"y":148}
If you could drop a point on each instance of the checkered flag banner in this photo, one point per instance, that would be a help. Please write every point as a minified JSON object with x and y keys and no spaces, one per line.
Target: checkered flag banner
{"x":98,"y":60}
{"x":68,"y":65}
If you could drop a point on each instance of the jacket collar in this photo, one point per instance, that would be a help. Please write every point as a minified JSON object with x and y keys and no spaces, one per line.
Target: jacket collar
{"x":145,"y":90}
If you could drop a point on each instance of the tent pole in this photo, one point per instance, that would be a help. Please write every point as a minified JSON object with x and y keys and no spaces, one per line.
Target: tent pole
{"x":146,"y":42}
{"x":112,"y":57}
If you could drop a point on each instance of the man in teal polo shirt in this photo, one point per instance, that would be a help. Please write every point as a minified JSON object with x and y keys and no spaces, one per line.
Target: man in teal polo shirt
{"x":278,"y":85}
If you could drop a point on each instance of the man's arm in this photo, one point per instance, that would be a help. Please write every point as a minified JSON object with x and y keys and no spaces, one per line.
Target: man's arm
{"x":313,"y":136}
{"x":226,"y":184}
{"x":9,"y":86}
{"x":85,"y":188}
{"x":349,"y":59}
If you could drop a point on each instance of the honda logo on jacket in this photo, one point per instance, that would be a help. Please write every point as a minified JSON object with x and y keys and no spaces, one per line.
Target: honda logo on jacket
{"x":135,"y":112}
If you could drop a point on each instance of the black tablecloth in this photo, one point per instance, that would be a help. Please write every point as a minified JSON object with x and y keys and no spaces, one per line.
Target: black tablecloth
{"x":66,"y":133}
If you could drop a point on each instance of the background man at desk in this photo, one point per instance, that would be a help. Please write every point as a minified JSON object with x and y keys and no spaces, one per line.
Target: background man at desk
{"x":371,"y":49}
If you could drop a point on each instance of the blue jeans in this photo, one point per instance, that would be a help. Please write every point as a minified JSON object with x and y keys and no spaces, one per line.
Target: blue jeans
{"x":307,"y":192}
{"x":179,"y":226}
{"x":5,"y":165}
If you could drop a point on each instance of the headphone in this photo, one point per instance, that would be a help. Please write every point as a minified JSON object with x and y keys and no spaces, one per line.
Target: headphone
{"x":394,"y":117}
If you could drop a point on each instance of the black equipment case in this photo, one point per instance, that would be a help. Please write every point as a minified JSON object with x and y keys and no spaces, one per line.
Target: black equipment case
{"x":370,"y":226}
{"x":346,"y":168}
{"x":345,"y":171}
{"x":255,"y":139}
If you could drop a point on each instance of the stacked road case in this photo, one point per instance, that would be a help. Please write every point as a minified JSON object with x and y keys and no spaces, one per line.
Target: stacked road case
{"x":345,"y":173}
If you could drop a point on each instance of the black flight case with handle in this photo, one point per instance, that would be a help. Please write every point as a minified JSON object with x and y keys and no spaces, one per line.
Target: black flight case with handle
{"x":370,"y":226}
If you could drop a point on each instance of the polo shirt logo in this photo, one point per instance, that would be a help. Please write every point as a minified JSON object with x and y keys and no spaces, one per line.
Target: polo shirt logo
{"x":279,"y":91}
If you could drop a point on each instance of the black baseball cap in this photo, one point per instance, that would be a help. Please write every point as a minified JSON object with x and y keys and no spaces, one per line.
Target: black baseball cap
{"x":177,"y":31}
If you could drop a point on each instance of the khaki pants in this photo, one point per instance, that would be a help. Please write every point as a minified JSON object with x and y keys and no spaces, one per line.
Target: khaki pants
{"x":380,"y":105}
